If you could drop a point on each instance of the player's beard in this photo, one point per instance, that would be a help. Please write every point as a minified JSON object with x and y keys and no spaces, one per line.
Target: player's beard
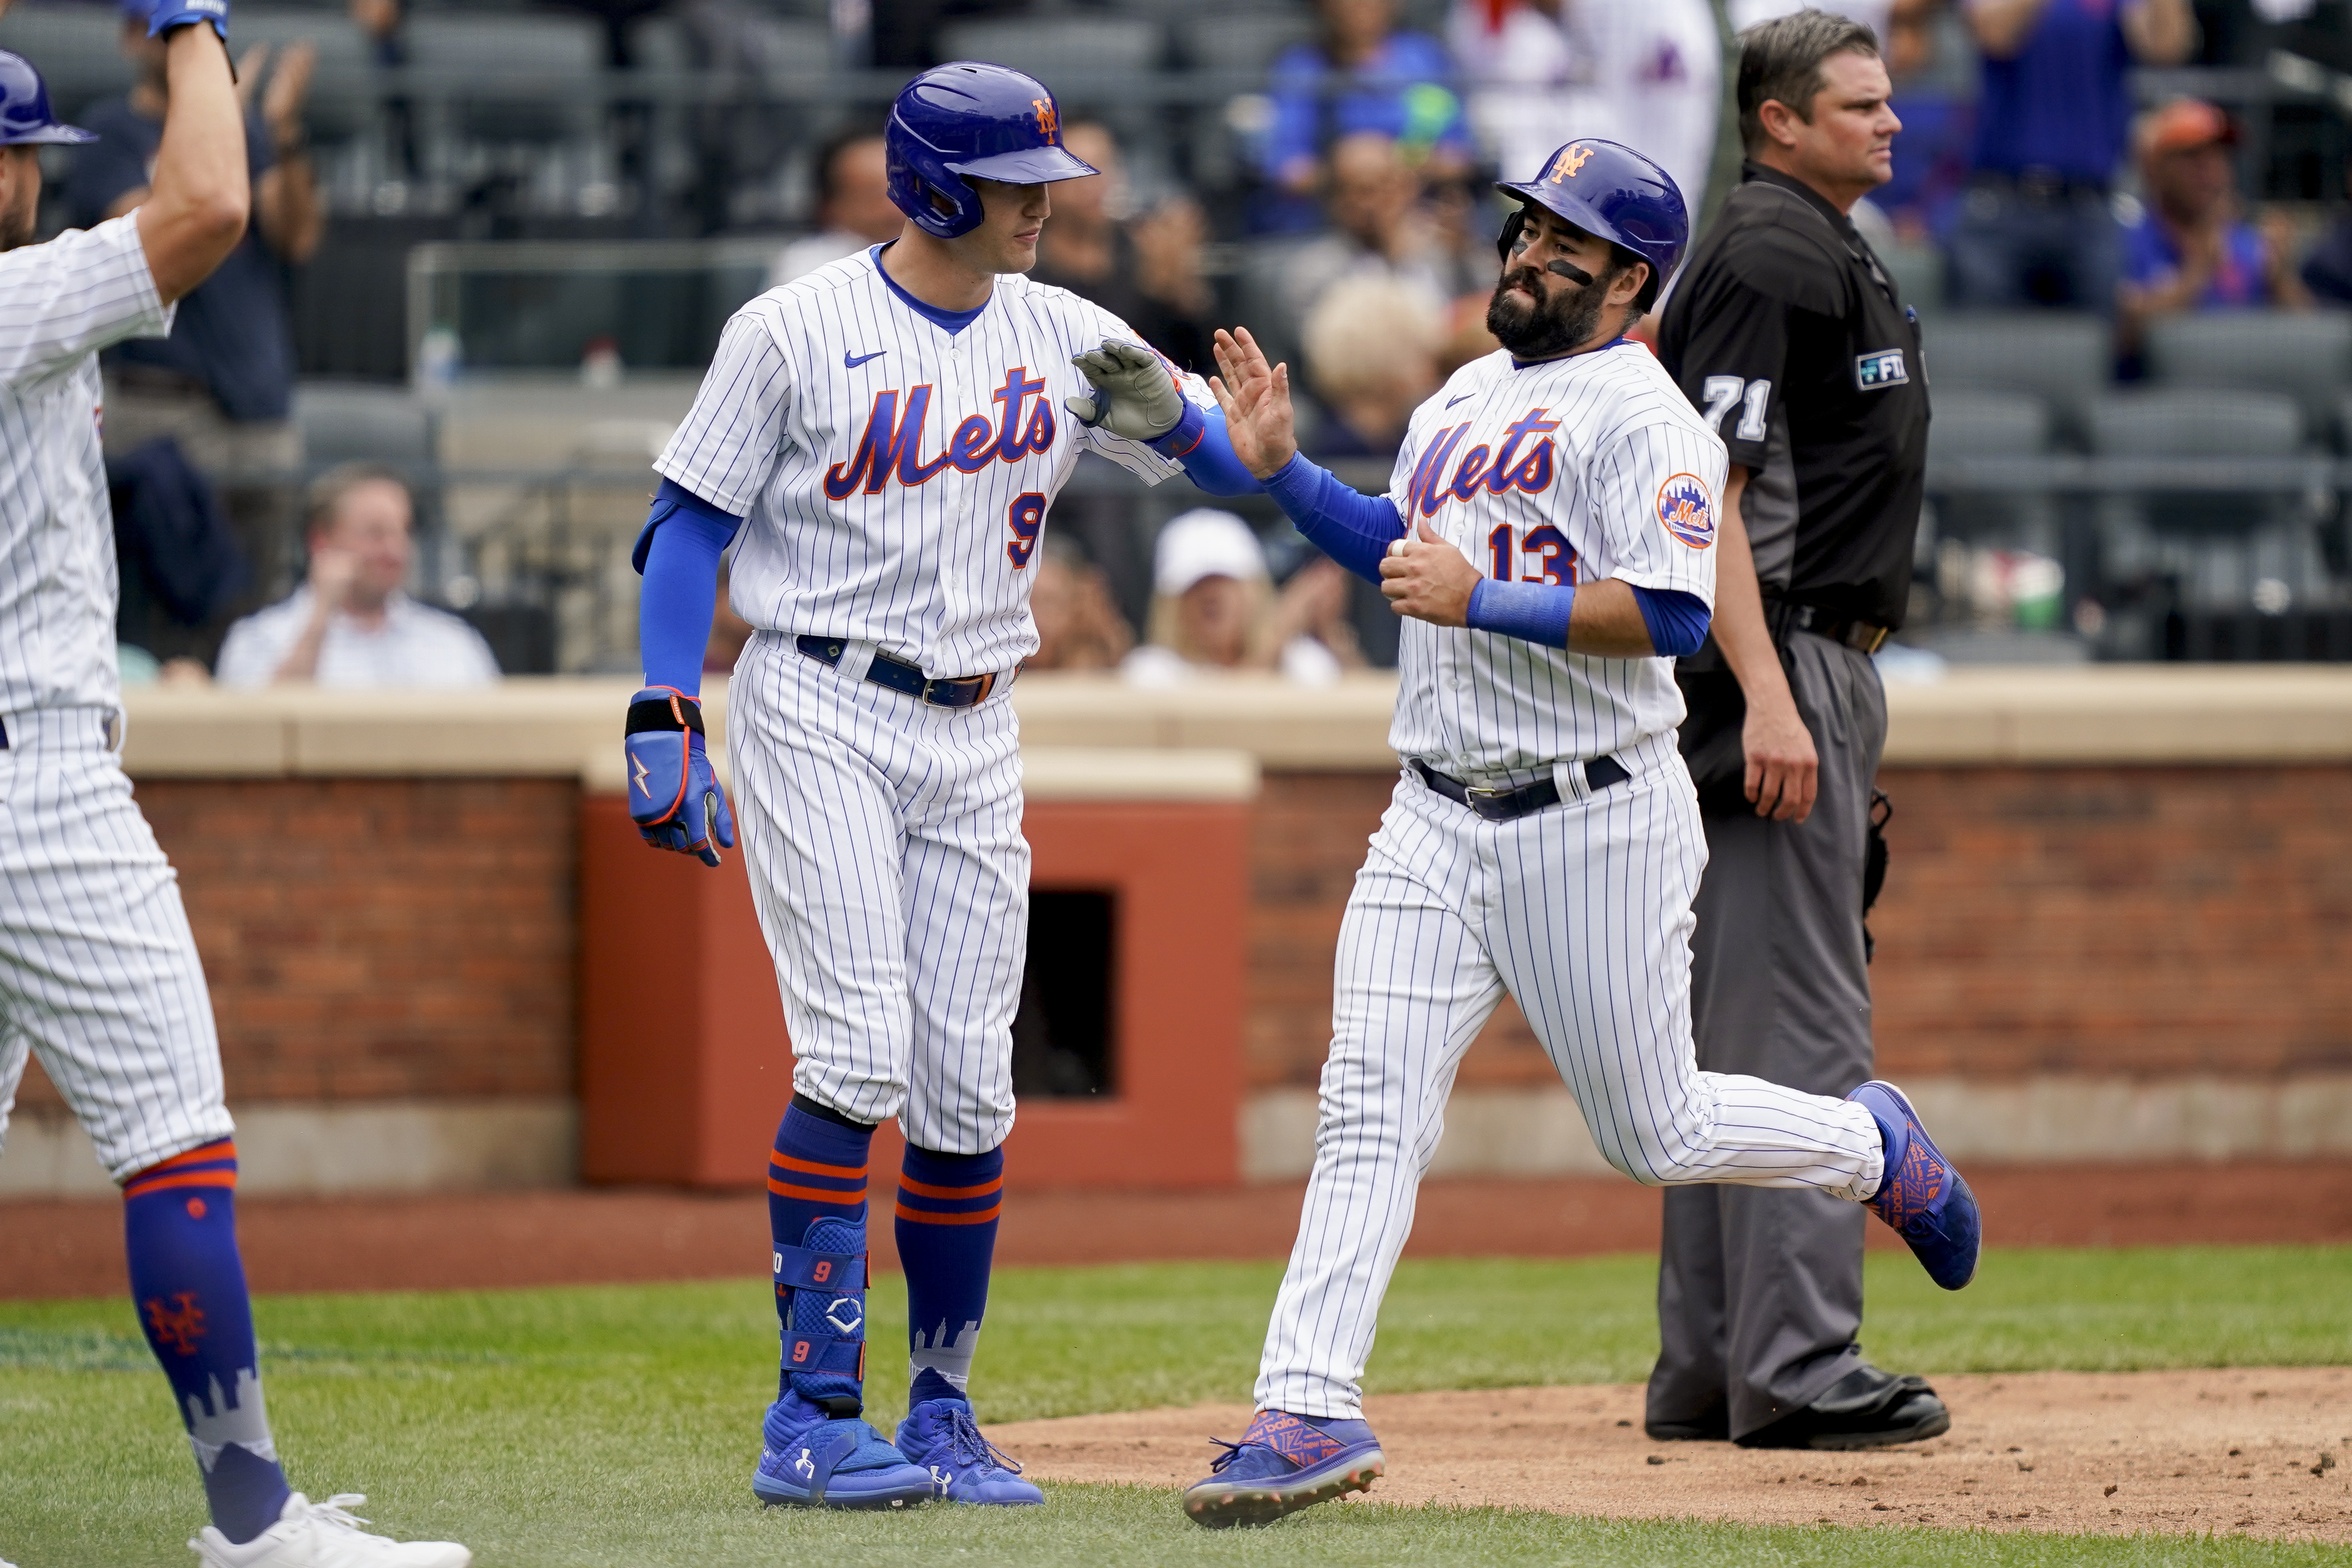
{"x":20,"y":220}
{"x":1548,"y":326}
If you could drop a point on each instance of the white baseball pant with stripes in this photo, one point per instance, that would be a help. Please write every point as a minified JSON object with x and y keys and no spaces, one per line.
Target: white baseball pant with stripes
{"x":1582,"y":913}
{"x":884,"y":839}
{"x":99,"y":971}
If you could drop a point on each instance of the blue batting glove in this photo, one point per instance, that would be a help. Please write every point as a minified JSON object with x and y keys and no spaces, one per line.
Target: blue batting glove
{"x":163,"y":15}
{"x":674,"y":797}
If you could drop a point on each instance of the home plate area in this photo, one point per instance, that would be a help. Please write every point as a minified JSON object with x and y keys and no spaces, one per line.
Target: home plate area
{"x":2261,"y":1452}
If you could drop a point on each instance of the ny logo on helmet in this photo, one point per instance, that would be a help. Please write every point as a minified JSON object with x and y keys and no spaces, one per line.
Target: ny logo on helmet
{"x":1048,"y":120}
{"x":1570,"y":162}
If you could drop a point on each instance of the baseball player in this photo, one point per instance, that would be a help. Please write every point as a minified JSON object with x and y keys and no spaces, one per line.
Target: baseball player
{"x":874,"y":450}
{"x":97,"y":971}
{"x":1550,"y":534}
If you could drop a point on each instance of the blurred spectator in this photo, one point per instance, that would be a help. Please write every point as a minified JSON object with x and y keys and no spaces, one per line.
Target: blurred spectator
{"x":2328,"y":270}
{"x":1372,"y":348}
{"x":1647,"y":73}
{"x":1147,"y":272}
{"x":222,"y":385}
{"x":1388,"y":81}
{"x":853,"y":205}
{"x":1079,"y":628}
{"x":351,"y":624}
{"x":1213,"y":608}
{"x":2052,"y":120}
{"x":2189,"y":250}
{"x":1380,"y":229}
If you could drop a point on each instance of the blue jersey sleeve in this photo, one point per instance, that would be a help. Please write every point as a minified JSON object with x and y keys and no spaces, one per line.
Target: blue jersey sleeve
{"x":1351,"y":528}
{"x":678,"y":553}
{"x":1200,"y":443}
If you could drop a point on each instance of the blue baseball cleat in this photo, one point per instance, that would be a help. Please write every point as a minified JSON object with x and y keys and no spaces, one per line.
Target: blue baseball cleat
{"x":940,"y":1437}
{"x":809,"y":1459}
{"x":1282,"y":1464}
{"x":1922,"y":1194}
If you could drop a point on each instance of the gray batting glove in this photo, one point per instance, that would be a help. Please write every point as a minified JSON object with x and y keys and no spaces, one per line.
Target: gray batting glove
{"x":1134,"y":395}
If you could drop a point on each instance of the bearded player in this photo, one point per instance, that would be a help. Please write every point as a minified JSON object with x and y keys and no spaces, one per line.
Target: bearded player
{"x":1548,"y":536}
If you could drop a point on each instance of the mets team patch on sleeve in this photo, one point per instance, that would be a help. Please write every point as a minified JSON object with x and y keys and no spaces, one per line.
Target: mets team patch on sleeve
{"x":1687,"y":511}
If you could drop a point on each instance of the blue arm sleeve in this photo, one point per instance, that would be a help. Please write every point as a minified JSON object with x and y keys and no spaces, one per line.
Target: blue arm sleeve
{"x":1201,"y":444}
{"x":678,"y":554}
{"x":1539,"y":612}
{"x":1677,"y":621}
{"x":1351,"y":528}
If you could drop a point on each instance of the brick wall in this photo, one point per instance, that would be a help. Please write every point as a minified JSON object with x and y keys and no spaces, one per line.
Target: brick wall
{"x":378,"y":938}
{"x":2102,"y":920}
{"x":393,"y":938}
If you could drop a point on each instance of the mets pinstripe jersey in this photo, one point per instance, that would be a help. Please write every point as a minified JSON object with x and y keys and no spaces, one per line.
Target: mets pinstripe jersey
{"x":99,"y":972}
{"x":1568,"y":470}
{"x":59,"y":304}
{"x":894,"y":477}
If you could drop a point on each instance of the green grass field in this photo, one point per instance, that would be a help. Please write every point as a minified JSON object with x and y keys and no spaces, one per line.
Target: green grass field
{"x":617,"y":1426}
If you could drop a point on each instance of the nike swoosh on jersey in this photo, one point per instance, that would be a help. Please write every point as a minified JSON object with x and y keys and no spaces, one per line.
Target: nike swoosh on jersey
{"x":1464,"y":398}
{"x":850,"y":362}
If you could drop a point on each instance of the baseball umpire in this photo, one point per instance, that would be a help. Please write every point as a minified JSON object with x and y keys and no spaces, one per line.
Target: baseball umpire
{"x":99,"y":971}
{"x":1786,"y":334}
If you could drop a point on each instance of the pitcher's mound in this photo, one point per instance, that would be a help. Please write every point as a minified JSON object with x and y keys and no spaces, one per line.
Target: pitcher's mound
{"x":2106,"y":1452}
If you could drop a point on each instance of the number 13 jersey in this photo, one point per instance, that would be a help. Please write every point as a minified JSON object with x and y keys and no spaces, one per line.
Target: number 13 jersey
{"x":1570,"y":470}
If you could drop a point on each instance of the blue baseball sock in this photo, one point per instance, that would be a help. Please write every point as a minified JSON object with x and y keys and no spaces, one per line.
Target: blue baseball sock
{"x":179,"y":1223}
{"x":816,"y":1199}
{"x":948,"y":1208}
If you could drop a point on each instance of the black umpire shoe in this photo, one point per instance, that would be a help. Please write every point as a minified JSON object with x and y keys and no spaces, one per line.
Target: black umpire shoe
{"x":1714,"y":1427}
{"x":1866,"y":1408}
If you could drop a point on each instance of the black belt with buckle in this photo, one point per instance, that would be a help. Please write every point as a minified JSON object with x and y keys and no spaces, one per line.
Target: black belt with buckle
{"x":1862,"y":637}
{"x":1503,"y":804}
{"x":896,"y":674}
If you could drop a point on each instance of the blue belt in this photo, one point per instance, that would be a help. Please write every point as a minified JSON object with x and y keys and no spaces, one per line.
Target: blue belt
{"x":1503,"y":804}
{"x":961,"y":691}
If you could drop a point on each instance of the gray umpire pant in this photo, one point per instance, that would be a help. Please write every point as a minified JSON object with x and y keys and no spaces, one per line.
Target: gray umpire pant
{"x":1759,"y":1289}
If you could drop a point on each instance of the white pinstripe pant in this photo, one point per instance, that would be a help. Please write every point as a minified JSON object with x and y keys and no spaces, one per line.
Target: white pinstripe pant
{"x":884,"y":840}
{"x":1582,"y":913}
{"x":99,"y":972}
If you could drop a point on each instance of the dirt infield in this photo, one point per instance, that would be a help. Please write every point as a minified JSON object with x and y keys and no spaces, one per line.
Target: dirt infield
{"x":2169,"y":1452}
{"x":487,"y":1241}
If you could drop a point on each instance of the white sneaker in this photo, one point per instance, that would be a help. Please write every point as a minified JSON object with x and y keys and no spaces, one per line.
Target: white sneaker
{"x":324,"y":1535}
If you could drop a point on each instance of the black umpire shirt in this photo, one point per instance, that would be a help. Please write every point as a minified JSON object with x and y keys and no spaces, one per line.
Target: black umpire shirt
{"x":1786,"y":333}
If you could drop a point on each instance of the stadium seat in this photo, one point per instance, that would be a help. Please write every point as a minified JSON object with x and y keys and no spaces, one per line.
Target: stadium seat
{"x":2174,"y":422}
{"x":1060,"y":45}
{"x":545,"y":48}
{"x":77,"y":48}
{"x":346,"y":422}
{"x":2061,"y":357}
{"x":1970,"y":423}
{"x":2304,"y":355}
{"x":1245,"y":41}
{"x":345,"y":55}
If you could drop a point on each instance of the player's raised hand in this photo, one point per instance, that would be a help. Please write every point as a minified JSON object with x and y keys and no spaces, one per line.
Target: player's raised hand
{"x":674,"y":798}
{"x":1135,"y":396}
{"x":1428,"y":579}
{"x":1255,"y":397}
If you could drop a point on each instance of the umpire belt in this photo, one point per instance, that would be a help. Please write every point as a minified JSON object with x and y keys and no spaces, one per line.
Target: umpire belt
{"x":1503,"y":804}
{"x":1862,"y":637}
{"x":961,"y":691}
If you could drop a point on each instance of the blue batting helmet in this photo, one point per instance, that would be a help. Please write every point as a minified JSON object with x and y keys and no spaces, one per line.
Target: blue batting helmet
{"x":972,"y":118}
{"x":1610,"y":191}
{"x":24,"y":114}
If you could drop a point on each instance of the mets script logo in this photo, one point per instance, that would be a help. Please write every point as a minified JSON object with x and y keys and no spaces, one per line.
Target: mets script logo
{"x":1522,"y":462}
{"x":1877,"y":370}
{"x":180,"y":1325}
{"x":889,"y":447}
{"x":1570,"y":162}
{"x":1048,"y":122}
{"x":1687,"y":511}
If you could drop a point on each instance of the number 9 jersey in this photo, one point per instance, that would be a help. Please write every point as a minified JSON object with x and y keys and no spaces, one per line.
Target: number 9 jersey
{"x":894,"y":463}
{"x":1563,"y":472}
